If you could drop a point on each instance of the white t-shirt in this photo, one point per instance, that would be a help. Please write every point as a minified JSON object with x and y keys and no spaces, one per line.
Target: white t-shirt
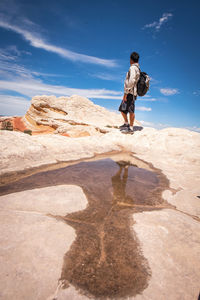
{"x":132,"y":77}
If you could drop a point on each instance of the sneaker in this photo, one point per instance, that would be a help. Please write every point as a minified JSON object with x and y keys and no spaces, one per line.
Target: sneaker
{"x":124,"y":126}
{"x":127,"y":130}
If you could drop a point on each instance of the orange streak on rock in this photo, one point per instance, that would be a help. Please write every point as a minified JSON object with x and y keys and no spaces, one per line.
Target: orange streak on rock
{"x":18,"y":124}
{"x":65,"y":134}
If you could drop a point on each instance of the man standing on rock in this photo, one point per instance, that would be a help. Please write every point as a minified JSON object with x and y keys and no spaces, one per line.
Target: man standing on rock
{"x":130,"y":94}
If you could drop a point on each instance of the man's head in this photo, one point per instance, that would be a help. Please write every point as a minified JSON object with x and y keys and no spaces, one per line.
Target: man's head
{"x":134,"y":57}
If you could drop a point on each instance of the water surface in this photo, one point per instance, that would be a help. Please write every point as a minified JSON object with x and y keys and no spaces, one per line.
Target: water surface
{"x":105,"y":259}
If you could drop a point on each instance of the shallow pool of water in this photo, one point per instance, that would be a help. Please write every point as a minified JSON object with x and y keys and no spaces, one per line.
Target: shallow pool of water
{"x":105,"y":259}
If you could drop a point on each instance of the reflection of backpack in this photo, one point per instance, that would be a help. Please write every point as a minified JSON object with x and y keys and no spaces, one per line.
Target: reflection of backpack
{"x":142,"y":84}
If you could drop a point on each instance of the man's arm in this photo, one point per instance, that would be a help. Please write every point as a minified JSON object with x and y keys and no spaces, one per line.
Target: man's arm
{"x":130,"y":82}
{"x":125,"y":97}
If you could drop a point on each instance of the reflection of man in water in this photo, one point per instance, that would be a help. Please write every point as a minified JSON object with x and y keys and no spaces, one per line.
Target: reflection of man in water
{"x":119,"y":182}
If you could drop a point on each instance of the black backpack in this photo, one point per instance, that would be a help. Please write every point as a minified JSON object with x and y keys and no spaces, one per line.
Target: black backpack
{"x":143,"y":83}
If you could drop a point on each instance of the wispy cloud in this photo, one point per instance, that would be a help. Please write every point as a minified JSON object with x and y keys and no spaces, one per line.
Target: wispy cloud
{"x":7,"y":55}
{"x":158,"y":24}
{"x":169,"y":91}
{"x":37,"y":41}
{"x":32,"y":87}
{"x":17,"y":78}
{"x":148,"y":99}
{"x":13,"y":105}
{"x":196,"y":93}
{"x":146,"y":123}
{"x":10,"y":68}
{"x":162,"y":126}
{"x":154,"y":125}
{"x":106,"y":76}
{"x":194,"y":128}
{"x":143,"y":108}
{"x":154,"y":81}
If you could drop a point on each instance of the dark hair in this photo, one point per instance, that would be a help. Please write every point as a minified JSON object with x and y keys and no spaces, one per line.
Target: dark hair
{"x":135,"y":57}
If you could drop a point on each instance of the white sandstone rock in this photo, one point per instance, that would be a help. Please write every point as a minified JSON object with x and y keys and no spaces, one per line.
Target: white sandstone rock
{"x":169,"y":239}
{"x":32,"y":243}
{"x":56,"y":114}
{"x":170,"y":243}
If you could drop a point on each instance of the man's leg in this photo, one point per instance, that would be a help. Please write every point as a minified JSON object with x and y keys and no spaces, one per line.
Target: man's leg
{"x":132,"y":118}
{"x":125,"y":117}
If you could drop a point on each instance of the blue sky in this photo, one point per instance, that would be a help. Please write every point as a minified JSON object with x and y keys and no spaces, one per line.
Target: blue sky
{"x":82,"y":47}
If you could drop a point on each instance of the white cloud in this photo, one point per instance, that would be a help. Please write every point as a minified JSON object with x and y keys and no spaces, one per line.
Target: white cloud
{"x":194,"y":128}
{"x":154,"y":125}
{"x":143,"y":108}
{"x":146,"y":123}
{"x":38,"y":41}
{"x":17,"y":78}
{"x":106,"y":76}
{"x":32,"y":87}
{"x":10,"y":69}
{"x":196,"y":93}
{"x":162,"y":126}
{"x":6,"y":55}
{"x":13,"y":105}
{"x":169,"y":92}
{"x":154,"y":81}
{"x":148,"y":99}
{"x":157,"y":24}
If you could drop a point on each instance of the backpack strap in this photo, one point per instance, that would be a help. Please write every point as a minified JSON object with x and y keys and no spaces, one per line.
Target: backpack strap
{"x":137,"y":67}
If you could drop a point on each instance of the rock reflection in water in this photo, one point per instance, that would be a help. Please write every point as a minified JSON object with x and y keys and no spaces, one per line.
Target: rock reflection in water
{"x":105,"y":259}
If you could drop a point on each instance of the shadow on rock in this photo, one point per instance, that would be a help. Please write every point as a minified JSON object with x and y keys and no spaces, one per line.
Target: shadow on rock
{"x":138,"y":128}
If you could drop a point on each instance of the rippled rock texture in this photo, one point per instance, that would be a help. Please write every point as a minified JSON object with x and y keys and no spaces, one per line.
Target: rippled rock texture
{"x":73,"y":116}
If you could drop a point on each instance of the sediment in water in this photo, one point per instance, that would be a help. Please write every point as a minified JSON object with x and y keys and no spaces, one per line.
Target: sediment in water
{"x":105,"y":259}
